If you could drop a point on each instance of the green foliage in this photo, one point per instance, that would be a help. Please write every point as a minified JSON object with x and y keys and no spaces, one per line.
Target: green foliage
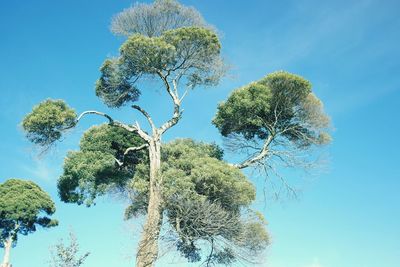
{"x":279,"y":104}
{"x":197,"y":52}
{"x":155,"y":18}
{"x":189,"y":148}
{"x":146,"y":55}
{"x":94,"y":170}
{"x":203,"y":198}
{"x":22,"y":206}
{"x":47,"y":120}
{"x":191,"y":53}
{"x":210,"y":178}
{"x":195,"y":171}
{"x":113,"y":85}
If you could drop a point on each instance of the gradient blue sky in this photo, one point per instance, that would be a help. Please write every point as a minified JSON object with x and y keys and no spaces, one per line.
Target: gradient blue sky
{"x":347,"y":216}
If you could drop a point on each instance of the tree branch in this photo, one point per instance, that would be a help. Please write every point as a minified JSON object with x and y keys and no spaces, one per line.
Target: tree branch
{"x":129,"y":149}
{"x":120,"y":163}
{"x":147,"y":115}
{"x":177,"y":103}
{"x":130,"y":128}
{"x":132,"y":149}
{"x":93,"y":112}
{"x":257,"y":158}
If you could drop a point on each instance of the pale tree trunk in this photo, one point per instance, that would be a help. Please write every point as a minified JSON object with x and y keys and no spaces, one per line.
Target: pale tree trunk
{"x":148,"y":246}
{"x":7,"y":249}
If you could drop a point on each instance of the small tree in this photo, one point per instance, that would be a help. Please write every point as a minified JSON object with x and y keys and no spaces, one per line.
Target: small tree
{"x":277,"y":120}
{"x":204,"y":199}
{"x":23,"y":207}
{"x":67,"y":255}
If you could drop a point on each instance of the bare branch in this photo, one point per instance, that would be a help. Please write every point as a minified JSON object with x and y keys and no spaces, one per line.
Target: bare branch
{"x":176,"y":101}
{"x":120,"y":163}
{"x":129,"y":149}
{"x":260,"y":156}
{"x":130,"y":128}
{"x":133,"y":149}
{"x":93,"y":112}
{"x":174,"y":96}
{"x":184,"y":94}
{"x":141,"y":133}
{"x":146,"y":114}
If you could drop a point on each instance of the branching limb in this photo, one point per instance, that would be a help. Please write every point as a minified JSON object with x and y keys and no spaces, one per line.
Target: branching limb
{"x":258,"y":157}
{"x":95,"y":113}
{"x":147,"y":115}
{"x":173,"y":94}
{"x":209,"y":257}
{"x":133,"y":149}
{"x":176,"y":101}
{"x":141,"y":133}
{"x":130,"y":128}
{"x":128,"y":150}
{"x":120,"y":163}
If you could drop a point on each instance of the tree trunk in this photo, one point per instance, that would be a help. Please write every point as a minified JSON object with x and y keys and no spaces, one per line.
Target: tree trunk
{"x":148,"y":246}
{"x":7,"y":249}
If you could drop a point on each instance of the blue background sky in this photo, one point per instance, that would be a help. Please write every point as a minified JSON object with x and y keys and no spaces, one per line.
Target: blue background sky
{"x":347,"y":216}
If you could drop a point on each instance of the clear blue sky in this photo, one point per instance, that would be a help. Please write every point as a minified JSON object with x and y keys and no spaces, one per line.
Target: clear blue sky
{"x":348,"y":216}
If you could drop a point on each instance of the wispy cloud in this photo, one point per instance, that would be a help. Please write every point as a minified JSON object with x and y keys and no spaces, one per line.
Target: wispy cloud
{"x":40,"y":169}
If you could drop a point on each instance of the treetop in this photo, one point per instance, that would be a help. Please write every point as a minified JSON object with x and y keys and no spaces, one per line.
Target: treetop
{"x":281,"y":104}
{"x":45,"y":124}
{"x":156,"y":18}
{"x":23,"y":205}
{"x":191,"y":54}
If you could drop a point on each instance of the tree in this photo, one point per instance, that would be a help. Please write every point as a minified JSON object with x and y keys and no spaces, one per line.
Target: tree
{"x":167,"y":180}
{"x":155,"y":19}
{"x":276,"y":119}
{"x":22,"y":206}
{"x":67,"y":256}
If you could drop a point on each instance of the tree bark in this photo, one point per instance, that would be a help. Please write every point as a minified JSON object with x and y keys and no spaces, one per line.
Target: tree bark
{"x":7,"y":249}
{"x":148,"y":245}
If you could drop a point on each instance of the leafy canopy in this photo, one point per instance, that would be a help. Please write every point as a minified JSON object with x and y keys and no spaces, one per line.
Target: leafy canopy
{"x":197,"y":184}
{"x":45,"y":124}
{"x":23,"y":206}
{"x":279,"y":104}
{"x":203,"y":199}
{"x":96,"y":167}
{"x":195,"y":171}
{"x":190,"y":53}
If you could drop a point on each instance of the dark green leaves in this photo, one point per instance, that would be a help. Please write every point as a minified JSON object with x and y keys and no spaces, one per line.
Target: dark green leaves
{"x":281,"y":104}
{"x":44,"y":125}
{"x":245,"y":111}
{"x":197,"y":171}
{"x":203,"y":197}
{"x":192,"y":54}
{"x":87,"y":174}
{"x":22,"y":205}
{"x":114,"y":86}
{"x":100,"y":165}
